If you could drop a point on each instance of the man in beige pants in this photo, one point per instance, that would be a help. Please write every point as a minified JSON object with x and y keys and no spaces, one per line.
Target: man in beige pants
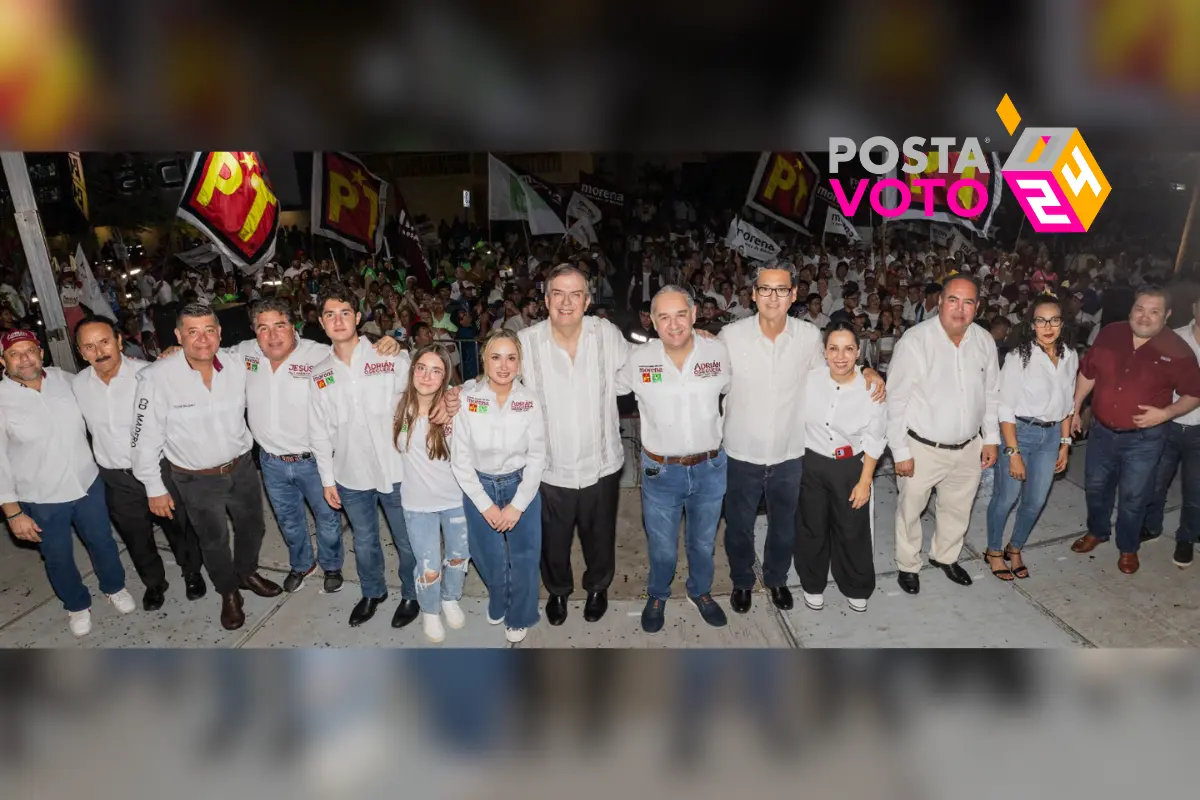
{"x":943,"y":401}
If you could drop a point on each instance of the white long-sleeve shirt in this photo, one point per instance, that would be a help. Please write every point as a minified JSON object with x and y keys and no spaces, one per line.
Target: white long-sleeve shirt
{"x":499,"y":439}
{"x":351,"y":411}
{"x":1188,"y":334}
{"x":943,"y":393}
{"x":843,"y":414}
{"x":277,"y":402}
{"x":579,"y":400}
{"x":108,"y":410}
{"x":44,"y":454}
{"x":1041,"y":391}
{"x":176,"y":415}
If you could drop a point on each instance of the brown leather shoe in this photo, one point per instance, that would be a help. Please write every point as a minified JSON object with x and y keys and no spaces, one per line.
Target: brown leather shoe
{"x":232,"y":616}
{"x":1128,"y":563}
{"x":1087,"y":543}
{"x":261,"y":586}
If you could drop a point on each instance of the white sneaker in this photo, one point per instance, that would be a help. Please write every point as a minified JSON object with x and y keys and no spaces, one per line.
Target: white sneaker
{"x":814,"y":601}
{"x":515,"y":635}
{"x":123,"y":601}
{"x":455,"y":617}
{"x":494,"y":621}
{"x":81,"y":622}
{"x":857,"y":605}
{"x":432,"y":624}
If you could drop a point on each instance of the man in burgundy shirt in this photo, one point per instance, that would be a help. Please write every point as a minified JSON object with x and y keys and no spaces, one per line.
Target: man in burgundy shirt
{"x":1135,"y":368}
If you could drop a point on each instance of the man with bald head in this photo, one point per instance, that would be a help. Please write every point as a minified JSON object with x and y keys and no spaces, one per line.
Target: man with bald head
{"x":943,"y":427}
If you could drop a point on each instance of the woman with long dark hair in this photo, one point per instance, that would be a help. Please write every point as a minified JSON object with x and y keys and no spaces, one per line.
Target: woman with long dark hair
{"x":1037,"y":395}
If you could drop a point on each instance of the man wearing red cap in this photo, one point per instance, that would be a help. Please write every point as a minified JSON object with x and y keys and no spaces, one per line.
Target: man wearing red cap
{"x":49,"y":482}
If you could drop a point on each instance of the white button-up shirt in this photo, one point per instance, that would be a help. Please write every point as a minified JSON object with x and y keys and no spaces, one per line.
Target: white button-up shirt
{"x":579,"y":399}
{"x":498,"y":439}
{"x":680,"y":408}
{"x":764,"y":412}
{"x":1042,"y":391}
{"x":1188,"y":333}
{"x":108,"y":409}
{"x":943,"y":393}
{"x":176,"y":415}
{"x":351,"y":412}
{"x":843,"y":415}
{"x":277,"y":401}
{"x":44,"y":454}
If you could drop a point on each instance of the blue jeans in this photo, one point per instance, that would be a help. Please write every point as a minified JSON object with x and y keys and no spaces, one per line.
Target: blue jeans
{"x":359,"y":505}
{"x":747,"y":483}
{"x":89,"y":515}
{"x":1039,"y":451}
{"x":288,"y":486}
{"x":668,"y":491}
{"x":508,"y":563}
{"x":1121,"y":467}
{"x":1181,"y":450}
{"x":426,"y":529}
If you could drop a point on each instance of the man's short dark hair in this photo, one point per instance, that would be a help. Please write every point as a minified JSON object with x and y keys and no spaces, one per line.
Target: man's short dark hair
{"x":95,"y":319}
{"x":1152,"y":290}
{"x":932,"y":288}
{"x":195,"y":311}
{"x":849,"y":289}
{"x":964,"y":278}
{"x":416,"y":329}
{"x":811,"y":297}
{"x":269,"y":304}
{"x":337,"y":292}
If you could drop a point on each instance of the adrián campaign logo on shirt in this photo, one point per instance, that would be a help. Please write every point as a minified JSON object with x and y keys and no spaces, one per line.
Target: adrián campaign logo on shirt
{"x":324,"y":379}
{"x":651,"y":373}
{"x":379,"y":368}
{"x":707,"y":369}
{"x":522,"y":405}
{"x":477,"y":405}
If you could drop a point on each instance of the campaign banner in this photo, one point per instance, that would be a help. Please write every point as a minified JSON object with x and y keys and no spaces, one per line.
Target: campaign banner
{"x":784,"y":188}
{"x":349,"y":202}
{"x":581,"y":207}
{"x":750,"y":241}
{"x":600,"y":191}
{"x":836,"y":223}
{"x":228,"y":197}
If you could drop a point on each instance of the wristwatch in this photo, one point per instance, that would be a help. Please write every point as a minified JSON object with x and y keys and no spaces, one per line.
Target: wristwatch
{"x":1067,"y":440}
{"x":1012,"y":451}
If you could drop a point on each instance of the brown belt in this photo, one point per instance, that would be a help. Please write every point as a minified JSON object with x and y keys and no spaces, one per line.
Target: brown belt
{"x":686,"y":461}
{"x":221,"y":469}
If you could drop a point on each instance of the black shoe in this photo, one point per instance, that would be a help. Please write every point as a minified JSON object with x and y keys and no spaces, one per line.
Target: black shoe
{"x":653,"y":615}
{"x":556,"y":609}
{"x":713,"y":614}
{"x":954,"y":572}
{"x":295,"y":580}
{"x":781,"y":597}
{"x":194,"y":586}
{"x":406,"y":612}
{"x":1149,"y":536}
{"x":364,"y":609}
{"x":153,"y":599}
{"x":909,"y":582}
{"x":741,"y":600}
{"x":1183,"y":554}
{"x":333,"y":581}
{"x":596,"y":605}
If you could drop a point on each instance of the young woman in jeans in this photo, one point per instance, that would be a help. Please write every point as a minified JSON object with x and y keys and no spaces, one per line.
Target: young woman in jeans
{"x":498,"y":453}
{"x":1037,"y":391}
{"x":429,"y":494}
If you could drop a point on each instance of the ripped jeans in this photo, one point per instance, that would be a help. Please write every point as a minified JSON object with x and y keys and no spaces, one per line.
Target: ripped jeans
{"x":426,"y":530}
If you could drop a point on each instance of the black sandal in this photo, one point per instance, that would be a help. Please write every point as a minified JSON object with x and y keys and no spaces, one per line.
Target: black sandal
{"x":1022,"y":571}
{"x":1003,"y":574}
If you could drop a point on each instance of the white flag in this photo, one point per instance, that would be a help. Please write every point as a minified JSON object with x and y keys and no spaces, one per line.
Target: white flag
{"x":581,"y":207}
{"x":93,"y":298}
{"x":198,"y":256}
{"x":750,"y":241}
{"x":583,"y":232}
{"x":836,"y":223}
{"x":941,"y":235}
{"x":509,"y":197}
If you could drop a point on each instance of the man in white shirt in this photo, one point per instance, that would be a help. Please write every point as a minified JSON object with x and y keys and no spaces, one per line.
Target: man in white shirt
{"x":943,"y":428}
{"x":571,"y":362}
{"x":526,"y":311}
{"x":49,"y":482}
{"x":678,"y":380}
{"x":105,"y":391}
{"x":191,"y":410}
{"x":928,"y":308}
{"x":813,"y":313}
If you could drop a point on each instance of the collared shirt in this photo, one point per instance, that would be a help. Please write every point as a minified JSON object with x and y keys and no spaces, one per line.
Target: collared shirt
{"x":108,"y":409}
{"x":943,"y":393}
{"x":1127,"y":378}
{"x":176,"y":415}
{"x":579,"y":399}
{"x":497,"y":439}
{"x":680,"y":407}
{"x":44,"y":454}
{"x":277,"y":401}
{"x":843,"y":414}
{"x":820,"y":320}
{"x":764,"y":411}
{"x":351,"y":411}
{"x":1189,"y":333}
{"x":1043,"y":390}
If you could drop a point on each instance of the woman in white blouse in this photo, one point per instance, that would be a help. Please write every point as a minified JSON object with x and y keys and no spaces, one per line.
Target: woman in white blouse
{"x":498,"y":453}
{"x":845,"y":433}
{"x":1037,"y":388}
{"x":429,"y":494}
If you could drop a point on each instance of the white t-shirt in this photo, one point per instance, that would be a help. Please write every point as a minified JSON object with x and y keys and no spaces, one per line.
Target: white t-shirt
{"x":428,"y":486}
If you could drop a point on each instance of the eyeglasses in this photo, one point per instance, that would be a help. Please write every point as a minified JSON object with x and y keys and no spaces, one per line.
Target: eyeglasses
{"x":1042,"y":322}
{"x":778,"y":291}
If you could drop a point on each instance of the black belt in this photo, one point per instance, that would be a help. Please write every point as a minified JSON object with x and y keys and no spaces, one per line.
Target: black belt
{"x":939,"y":445}
{"x":1122,"y":430}
{"x":1038,"y":422}
{"x":289,"y":458}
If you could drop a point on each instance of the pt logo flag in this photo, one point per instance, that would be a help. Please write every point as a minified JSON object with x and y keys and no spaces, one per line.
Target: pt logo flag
{"x":228,"y":196}
{"x":784,"y":187}
{"x":348,"y":202}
